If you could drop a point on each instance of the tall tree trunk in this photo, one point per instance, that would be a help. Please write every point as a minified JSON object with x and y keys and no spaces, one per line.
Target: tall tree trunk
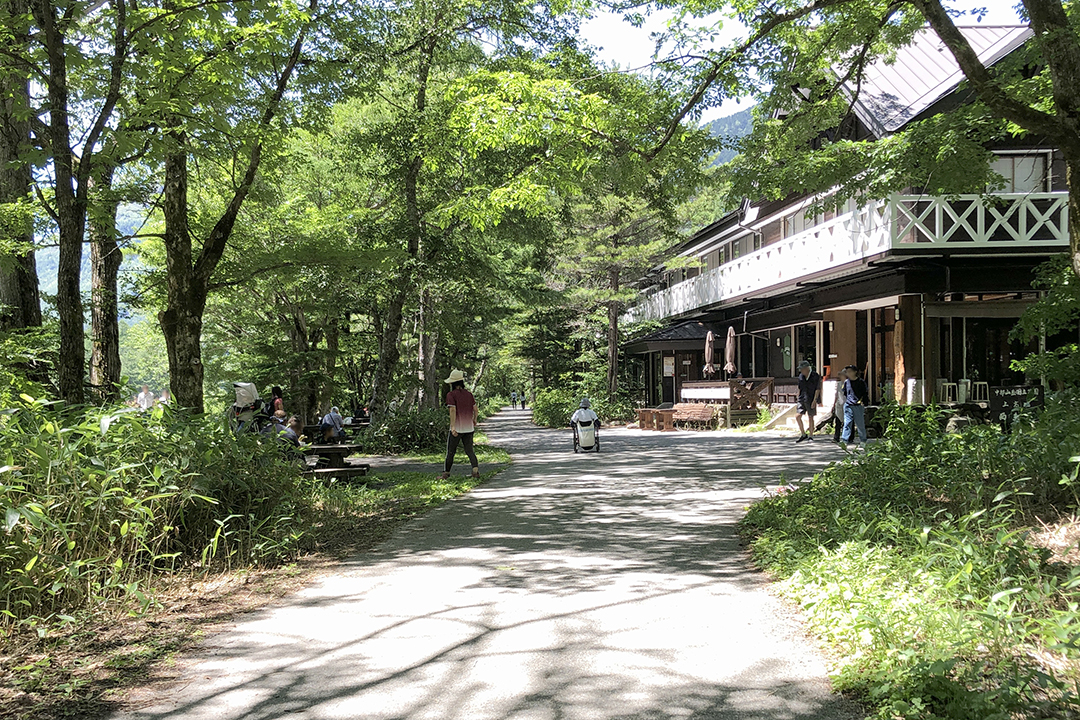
{"x":105,"y":258}
{"x":389,"y":355}
{"x":188,"y":280}
{"x":181,"y":321}
{"x":389,"y":340}
{"x":428,"y":375}
{"x":329,"y":364}
{"x":1072,"y":175}
{"x":70,"y":209}
{"x":613,"y":339}
{"x":20,"y":304}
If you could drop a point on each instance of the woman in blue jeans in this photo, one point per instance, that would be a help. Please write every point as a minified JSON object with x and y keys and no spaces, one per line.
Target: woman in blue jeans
{"x":856,"y":398}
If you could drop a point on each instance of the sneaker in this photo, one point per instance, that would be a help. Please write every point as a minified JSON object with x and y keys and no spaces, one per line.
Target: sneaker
{"x":810,"y":438}
{"x":802,"y":438}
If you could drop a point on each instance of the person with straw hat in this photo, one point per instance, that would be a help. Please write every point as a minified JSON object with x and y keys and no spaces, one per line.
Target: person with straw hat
{"x":462,"y":406}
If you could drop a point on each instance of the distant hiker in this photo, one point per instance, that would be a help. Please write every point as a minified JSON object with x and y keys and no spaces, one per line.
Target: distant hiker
{"x":522,"y":399}
{"x":513,"y":399}
{"x":809,"y":395}
{"x":332,"y":424}
{"x":856,"y":398}
{"x":145,"y":399}
{"x":462,"y":406}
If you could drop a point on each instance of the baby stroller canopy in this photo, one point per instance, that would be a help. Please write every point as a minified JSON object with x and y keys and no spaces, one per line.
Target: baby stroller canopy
{"x":246,"y":393}
{"x":245,"y":410}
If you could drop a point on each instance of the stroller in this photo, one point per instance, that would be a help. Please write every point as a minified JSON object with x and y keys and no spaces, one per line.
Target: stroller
{"x":249,"y":412}
{"x":586,"y":427}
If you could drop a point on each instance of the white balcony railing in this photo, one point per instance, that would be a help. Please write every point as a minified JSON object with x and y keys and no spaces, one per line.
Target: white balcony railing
{"x":905,"y":223}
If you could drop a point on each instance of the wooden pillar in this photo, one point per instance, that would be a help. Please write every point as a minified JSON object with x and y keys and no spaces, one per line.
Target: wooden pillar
{"x":842,"y":337}
{"x":909,"y":337}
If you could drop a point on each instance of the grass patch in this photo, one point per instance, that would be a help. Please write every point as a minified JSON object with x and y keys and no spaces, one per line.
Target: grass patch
{"x":83,"y":669}
{"x":915,"y":563}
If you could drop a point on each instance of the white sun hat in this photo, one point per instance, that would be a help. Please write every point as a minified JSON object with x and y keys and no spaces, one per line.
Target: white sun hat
{"x":455,"y":376}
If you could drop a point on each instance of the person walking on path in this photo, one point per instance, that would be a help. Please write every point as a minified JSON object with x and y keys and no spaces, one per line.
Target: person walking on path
{"x":809,"y":395}
{"x":513,"y":399}
{"x":462,"y":406}
{"x":838,"y":408}
{"x":856,"y":398}
{"x":522,"y":399}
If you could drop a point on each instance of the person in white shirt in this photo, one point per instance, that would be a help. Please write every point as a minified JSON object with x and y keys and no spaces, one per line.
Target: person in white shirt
{"x":145,"y":399}
{"x":584,"y":413}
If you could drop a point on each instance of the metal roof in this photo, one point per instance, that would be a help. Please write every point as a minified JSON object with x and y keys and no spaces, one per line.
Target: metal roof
{"x":895,"y":92}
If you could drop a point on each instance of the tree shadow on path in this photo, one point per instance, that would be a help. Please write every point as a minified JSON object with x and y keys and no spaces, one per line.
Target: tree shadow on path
{"x":606,"y":585}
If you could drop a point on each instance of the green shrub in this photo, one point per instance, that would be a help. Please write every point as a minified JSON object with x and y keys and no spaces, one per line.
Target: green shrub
{"x":912,"y":561}
{"x":95,"y":501}
{"x":552,"y":407}
{"x":411,"y":430}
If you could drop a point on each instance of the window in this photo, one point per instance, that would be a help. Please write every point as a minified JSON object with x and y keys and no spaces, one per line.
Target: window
{"x":1023,"y":173}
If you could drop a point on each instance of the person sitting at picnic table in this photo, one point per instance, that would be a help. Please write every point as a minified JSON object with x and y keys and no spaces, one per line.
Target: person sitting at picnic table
{"x":332,"y":424}
{"x":297,"y":428}
{"x":462,"y":406}
{"x":278,"y":428}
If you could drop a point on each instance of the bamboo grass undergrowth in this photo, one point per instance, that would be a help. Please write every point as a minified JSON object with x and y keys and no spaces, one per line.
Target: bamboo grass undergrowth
{"x":913,"y":562}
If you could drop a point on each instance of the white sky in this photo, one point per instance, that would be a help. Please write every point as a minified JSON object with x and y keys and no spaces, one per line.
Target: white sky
{"x":629,"y":47}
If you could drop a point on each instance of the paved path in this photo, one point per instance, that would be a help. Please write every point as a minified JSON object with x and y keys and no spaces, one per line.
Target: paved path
{"x":570,"y":587}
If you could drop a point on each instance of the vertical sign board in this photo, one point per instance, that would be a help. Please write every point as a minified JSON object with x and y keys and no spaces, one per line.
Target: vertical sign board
{"x":669,"y":366}
{"x":1008,"y":400}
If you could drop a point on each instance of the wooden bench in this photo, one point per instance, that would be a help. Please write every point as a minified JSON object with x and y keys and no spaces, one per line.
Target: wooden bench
{"x":350,"y":470}
{"x":653,"y":419}
{"x":694,"y":413}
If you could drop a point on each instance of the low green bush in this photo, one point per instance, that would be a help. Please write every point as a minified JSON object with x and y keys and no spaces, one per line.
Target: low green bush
{"x":403,"y":431}
{"x":913,"y":561}
{"x":95,"y":501}
{"x":552,"y":407}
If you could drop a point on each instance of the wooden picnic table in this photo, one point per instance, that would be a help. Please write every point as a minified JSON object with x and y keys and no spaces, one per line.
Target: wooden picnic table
{"x":333,"y":454}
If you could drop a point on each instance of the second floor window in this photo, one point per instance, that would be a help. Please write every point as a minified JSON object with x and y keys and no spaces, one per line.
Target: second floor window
{"x":1022,"y":173}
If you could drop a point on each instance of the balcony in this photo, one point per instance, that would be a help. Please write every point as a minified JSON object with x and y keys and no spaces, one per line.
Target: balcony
{"x":902,"y":224}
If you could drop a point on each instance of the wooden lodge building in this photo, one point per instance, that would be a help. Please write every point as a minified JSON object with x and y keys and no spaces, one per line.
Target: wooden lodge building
{"x":918,"y":291}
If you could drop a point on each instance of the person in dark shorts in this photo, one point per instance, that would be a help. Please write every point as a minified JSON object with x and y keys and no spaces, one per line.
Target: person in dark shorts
{"x":462,"y":407}
{"x":809,"y":396}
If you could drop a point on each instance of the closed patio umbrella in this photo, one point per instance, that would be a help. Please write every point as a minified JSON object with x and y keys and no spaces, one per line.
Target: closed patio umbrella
{"x":729,"y":352}
{"x":710,"y":343}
